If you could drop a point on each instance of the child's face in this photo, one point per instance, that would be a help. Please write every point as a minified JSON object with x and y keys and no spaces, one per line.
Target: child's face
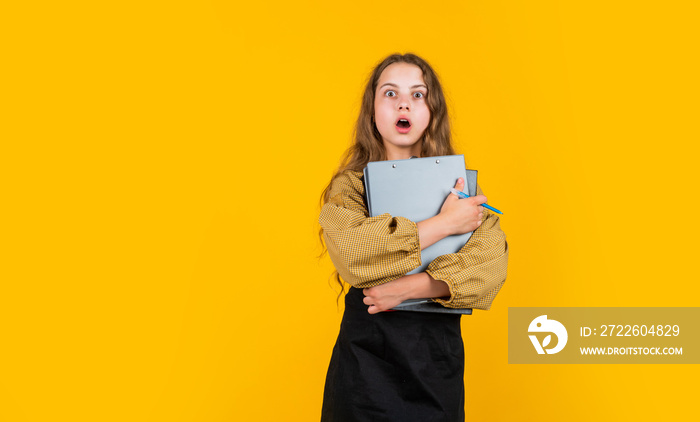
{"x":401,"y":94}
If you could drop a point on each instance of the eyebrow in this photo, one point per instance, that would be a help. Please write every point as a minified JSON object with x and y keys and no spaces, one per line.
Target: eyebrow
{"x":394,"y":85}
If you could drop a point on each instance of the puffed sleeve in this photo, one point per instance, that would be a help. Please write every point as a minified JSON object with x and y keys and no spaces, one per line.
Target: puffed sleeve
{"x":366,"y":251}
{"x":476,"y":273}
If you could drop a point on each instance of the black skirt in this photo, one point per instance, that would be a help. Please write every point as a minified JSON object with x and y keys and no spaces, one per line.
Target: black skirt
{"x":395,"y":366}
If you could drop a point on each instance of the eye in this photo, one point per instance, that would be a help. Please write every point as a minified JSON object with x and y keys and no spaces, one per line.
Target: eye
{"x":418,"y":95}
{"x":390,"y":93}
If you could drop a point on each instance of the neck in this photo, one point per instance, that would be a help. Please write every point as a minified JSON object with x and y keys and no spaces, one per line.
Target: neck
{"x":402,"y":153}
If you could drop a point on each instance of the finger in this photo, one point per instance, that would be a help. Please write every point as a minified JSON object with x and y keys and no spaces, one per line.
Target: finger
{"x":479,"y":199}
{"x":367,"y":301}
{"x":373,"y":309}
{"x":460,"y":187}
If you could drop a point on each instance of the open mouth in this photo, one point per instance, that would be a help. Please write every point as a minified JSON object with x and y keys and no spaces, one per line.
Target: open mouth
{"x":403,"y":124}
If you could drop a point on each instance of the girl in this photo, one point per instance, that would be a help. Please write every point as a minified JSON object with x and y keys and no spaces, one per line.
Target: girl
{"x":403,"y":366}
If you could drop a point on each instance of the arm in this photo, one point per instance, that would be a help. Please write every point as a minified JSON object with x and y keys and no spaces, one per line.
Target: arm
{"x":371,"y":251}
{"x":366,"y":251}
{"x":413,"y":286}
{"x":457,"y":216}
{"x":476,"y":273}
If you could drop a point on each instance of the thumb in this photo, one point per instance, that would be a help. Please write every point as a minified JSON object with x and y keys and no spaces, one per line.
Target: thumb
{"x":460,"y":184}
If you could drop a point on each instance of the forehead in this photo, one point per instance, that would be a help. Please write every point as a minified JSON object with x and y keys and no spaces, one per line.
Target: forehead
{"x":401,"y":74}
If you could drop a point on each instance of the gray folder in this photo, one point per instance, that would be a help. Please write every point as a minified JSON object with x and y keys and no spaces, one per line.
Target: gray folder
{"x":416,"y":189}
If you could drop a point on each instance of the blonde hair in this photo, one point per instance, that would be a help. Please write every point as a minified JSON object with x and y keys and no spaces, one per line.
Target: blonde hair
{"x":367,"y":142}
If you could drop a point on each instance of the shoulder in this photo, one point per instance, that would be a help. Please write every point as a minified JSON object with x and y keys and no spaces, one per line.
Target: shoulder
{"x":348,"y":191}
{"x":348,"y":182}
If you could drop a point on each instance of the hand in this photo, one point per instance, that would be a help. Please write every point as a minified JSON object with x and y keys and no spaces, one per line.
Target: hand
{"x":386,"y":296}
{"x":462,"y":215}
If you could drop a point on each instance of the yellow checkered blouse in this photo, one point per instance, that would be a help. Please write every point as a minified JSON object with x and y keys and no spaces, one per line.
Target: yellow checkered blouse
{"x":368,"y":251}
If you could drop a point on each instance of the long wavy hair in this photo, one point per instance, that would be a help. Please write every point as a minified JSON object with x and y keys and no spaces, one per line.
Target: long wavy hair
{"x":367,"y":142}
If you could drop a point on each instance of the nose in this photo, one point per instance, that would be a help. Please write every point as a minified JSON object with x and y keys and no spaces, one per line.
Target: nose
{"x":404,"y":102}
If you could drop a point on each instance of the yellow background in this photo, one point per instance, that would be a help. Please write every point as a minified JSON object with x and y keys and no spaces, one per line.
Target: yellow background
{"x":162,"y":163}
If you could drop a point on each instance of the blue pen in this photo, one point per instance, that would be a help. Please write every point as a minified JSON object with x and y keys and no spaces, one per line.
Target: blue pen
{"x":464,"y":195}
